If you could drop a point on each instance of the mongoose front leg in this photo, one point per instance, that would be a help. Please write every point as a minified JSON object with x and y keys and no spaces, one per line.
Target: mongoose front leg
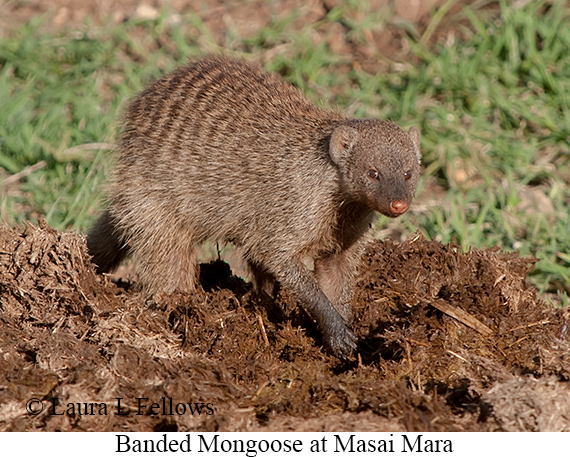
{"x":297,"y":279}
{"x":335,"y":275}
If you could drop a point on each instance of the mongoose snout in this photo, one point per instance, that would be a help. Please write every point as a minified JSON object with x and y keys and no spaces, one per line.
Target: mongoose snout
{"x":221,"y":150}
{"x":398,"y":207}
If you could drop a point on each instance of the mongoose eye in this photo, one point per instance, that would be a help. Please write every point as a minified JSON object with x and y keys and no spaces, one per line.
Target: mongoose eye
{"x":373,"y":174}
{"x":408,"y":175}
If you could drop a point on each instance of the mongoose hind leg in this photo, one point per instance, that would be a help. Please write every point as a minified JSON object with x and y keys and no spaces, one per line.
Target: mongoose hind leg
{"x":165,"y":265}
{"x":263,"y":281}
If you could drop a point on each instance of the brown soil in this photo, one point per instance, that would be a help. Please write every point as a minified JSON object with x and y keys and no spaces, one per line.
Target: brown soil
{"x":222,"y":18}
{"x":448,"y":341}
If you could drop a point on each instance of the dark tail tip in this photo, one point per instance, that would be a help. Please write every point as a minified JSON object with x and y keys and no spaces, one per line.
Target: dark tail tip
{"x":104,"y":244}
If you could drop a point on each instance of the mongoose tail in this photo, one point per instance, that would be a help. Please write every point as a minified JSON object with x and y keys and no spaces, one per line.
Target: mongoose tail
{"x":104,"y":244}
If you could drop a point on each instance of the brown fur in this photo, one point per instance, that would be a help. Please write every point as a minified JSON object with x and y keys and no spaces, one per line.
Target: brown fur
{"x":221,"y":150}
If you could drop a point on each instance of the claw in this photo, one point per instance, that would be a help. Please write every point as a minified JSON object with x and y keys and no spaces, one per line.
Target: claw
{"x":342,"y":342}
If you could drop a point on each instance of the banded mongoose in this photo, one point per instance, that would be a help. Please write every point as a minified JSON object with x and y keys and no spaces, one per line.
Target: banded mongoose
{"x":221,"y":150}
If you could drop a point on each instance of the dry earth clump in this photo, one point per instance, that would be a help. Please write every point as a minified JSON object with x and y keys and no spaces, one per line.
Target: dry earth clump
{"x":448,"y":341}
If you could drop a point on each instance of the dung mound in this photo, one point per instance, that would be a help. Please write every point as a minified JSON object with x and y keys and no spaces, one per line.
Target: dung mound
{"x":448,"y":341}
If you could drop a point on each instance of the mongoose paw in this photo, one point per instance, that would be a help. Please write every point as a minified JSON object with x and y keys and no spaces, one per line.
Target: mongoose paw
{"x":341,"y":341}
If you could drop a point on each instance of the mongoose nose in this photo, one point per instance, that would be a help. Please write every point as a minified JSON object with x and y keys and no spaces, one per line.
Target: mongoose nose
{"x":398,"y":207}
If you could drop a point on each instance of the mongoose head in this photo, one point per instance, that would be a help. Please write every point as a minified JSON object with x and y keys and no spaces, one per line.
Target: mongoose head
{"x":379,"y":163}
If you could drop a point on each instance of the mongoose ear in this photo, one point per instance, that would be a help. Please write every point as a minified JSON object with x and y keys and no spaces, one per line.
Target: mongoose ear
{"x":415,"y":137}
{"x":342,"y":141}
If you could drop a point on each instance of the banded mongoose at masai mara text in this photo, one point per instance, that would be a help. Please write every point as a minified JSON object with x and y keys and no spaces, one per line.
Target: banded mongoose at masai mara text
{"x":221,"y":150}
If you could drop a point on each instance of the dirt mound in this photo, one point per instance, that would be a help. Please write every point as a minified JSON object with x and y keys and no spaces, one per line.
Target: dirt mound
{"x":448,"y":341}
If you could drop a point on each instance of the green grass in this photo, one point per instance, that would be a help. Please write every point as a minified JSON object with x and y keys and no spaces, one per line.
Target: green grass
{"x":494,"y":110}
